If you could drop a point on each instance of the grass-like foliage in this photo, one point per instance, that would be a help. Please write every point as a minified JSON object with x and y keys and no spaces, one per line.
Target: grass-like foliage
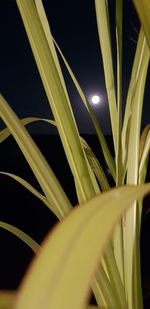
{"x":81,"y":253}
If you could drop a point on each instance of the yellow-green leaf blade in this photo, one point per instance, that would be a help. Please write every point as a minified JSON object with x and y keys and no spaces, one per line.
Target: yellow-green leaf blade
{"x":30,"y":188}
{"x":36,"y":160}
{"x":106,"y":152}
{"x":130,"y":223}
{"x":49,"y":38}
{"x":130,"y":96}
{"x":21,"y":235}
{"x":75,"y":240}
{"x":143,"y":10}
{"x":57,"y":97}
{"x":96,"y":167}
{"x":25,"y":121}
{"x":105,"y":45}
{"x":119,"y":13}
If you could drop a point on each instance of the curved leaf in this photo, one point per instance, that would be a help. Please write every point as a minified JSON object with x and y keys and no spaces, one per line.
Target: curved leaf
{"x":42,"y":171}
{"x":74,"y":249}
{"x":21,"y":235}
{"x":30,"y":188}
{"x":96,"y":167}
{"x":25,"y":121}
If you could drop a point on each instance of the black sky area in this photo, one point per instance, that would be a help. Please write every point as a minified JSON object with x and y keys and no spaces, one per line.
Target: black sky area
{"x":73,"y":25}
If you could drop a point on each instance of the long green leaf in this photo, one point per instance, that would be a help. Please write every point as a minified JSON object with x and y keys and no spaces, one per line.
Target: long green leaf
{"x":73,"y":241}
{"x":105,"y":45}
{"x":114,"y":275}
{"x":36,"y":160}
{"x":21,"y":235}
{"x":143,"y":10}
{"x":116,"y":288}
{"x":107,"y":285}
{"x":25,"y":121}
{"x":103,"y":290}
{"x":96,"y":167}
{"x":130,"y":222}
{"x":58,"y":100}
{"x":106,"y":152}
{"x":118,"y":237}
{"x":143,"y":164}
{"x":50,"y":40}
{"x":109,"y":262}
{"x":130,"y":97}
{"x":47,"y":32}
{"x":30,"y":188}
{"x":119,"y":8}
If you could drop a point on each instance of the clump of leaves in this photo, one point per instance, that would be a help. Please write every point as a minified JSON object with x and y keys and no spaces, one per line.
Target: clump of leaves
{"x":80,"y":254}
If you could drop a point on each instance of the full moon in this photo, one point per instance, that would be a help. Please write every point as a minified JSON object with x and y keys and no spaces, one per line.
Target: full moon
{"x":95,"y":99}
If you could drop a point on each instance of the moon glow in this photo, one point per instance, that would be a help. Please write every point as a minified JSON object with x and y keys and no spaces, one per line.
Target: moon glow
{"x":95,"y":99}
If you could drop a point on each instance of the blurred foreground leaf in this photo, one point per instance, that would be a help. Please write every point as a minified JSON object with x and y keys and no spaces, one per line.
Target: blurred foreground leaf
{"x":60,"y":276}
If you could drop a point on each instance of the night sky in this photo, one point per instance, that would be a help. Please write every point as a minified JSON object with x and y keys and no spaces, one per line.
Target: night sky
{"x":73,"y":25}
